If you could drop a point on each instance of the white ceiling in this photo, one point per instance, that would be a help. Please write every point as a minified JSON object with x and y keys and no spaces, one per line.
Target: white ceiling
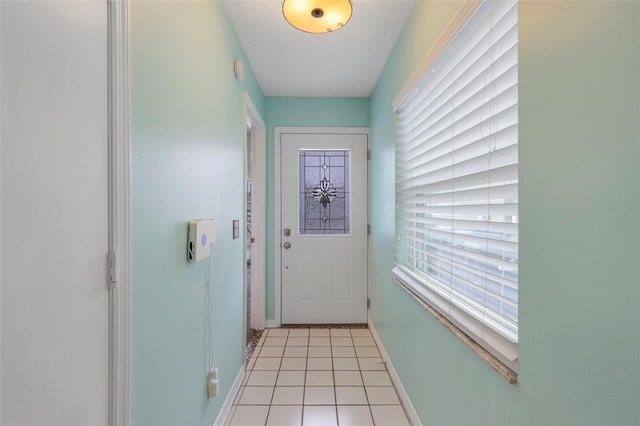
{"x":344,"y":63}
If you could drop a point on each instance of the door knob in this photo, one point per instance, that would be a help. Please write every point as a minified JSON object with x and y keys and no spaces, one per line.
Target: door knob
{"x":287,"y":245}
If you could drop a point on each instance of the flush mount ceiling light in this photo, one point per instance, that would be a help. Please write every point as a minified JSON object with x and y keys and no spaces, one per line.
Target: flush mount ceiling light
{"x":317,"y":16}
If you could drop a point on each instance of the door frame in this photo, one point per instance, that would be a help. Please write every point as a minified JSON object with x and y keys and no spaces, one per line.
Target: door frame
{"x":258,"y":129}
{"x":277,"y":235}
{"x":119,"y":257}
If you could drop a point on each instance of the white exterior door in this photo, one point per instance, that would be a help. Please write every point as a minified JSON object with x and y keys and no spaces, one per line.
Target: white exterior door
{"x":324,"y":228}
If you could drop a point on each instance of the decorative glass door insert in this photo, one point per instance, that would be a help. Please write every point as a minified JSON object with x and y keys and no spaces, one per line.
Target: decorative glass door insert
{"x":324,"y":191}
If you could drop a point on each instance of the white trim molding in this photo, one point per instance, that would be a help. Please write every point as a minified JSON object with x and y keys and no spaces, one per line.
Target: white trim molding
{"x":0,"y":216}
{"x":225,"y":412}
{"x":119,"y":280}
{"x":409,"y":409}
{"x":271,"y":323}
{"x":258,"y":129}
{"x":457,"y":22}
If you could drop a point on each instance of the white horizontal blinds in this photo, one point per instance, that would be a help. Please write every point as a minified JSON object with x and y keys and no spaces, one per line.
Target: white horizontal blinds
{"x":457,"y":174}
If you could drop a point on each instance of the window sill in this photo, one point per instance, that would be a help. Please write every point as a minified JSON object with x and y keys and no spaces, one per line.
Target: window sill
{"x":509,"y":375}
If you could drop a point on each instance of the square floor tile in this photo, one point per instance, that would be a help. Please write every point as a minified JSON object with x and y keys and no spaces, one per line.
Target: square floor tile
{"x":345,"y":364}
{"x":249,"y":415}
{"x":275,"y":341}
{"x":295,"y":351}
{"x":285,"y":416}
{"x":319,"y":416}
{"x":341,"y":341}
{"x":382,"y":395}
{"x":277,"y":332}
{"x":267,"y":364}
{"x":319,"y":352}
{"x":293,"y":364}
{"x":271,"y":351}
{"x":351,"y":395}
{"x":319,"y":364}
{"x":298,"y":341}
{"x":354,"y":416}
{"x":348,"y":378}
{"x":256,"y":395}
{"x":319,"y":395}
{"x":288,"y":395}
{"x":389,"y":415}
{"x":262,"y":378}
{"x":319,"y":341}
{"x":360,"y":332}
{"x":299,"y":332}
{"x":343,"y":352}
{"x":367,"y":352}
{"x":372,"y":364}
{"x":319,"y":378}
{"x":363,"y":341}
{"x":376,"y":378}
{"x":326,"y":377}
{"x":290,"y":378}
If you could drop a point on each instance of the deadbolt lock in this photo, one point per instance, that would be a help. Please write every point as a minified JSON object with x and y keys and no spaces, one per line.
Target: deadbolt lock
{"x":287,"y":232}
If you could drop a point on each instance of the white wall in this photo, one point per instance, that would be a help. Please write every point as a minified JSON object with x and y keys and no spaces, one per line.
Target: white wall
{"x":54,"y":213}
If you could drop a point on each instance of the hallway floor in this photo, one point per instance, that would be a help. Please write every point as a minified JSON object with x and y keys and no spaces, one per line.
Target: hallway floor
{"x":316,"y":376}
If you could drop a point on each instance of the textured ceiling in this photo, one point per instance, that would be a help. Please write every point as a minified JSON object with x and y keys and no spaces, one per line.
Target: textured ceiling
{"x":345,"y":63}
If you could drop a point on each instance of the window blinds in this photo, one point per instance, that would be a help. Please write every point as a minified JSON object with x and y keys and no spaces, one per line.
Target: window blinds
{"x":457,"y":180}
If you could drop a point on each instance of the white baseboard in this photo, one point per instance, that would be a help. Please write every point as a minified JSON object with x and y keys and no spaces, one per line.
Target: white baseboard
{"x":402,"y":393}
{"x":228,"y":403}
{"x":272,"y":323}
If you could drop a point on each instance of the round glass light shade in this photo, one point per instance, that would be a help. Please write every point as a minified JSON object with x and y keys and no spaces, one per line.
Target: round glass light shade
{"x":317,"y":16}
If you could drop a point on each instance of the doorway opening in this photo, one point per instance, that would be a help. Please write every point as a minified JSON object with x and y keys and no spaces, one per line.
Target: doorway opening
{"x":248,"y":241}
{"x":255,"y":219}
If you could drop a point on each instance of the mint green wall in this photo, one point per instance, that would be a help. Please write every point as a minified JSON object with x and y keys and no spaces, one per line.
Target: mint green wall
{"x":579,"y":94}
{"x":187,"y":163}
{"x":302,"y":112}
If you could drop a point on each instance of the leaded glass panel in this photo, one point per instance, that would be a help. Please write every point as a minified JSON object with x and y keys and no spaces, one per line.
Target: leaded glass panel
{"x":324,"y":192}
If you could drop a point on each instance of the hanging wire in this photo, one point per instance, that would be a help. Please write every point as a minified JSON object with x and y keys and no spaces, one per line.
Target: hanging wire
{"x":209,"y":316}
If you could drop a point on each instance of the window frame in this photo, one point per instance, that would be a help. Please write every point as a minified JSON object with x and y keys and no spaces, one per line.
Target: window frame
{"x":493,"y":346}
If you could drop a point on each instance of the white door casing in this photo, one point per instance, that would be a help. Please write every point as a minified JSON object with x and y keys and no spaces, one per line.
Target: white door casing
{"x":119,"y":148}
{"x":323,"y":268}
{"x":257,"y":128}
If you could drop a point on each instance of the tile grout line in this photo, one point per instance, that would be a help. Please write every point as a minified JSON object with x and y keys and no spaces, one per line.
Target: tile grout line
{"x":334,"y":372}
{"x":304,"y":387}
{"x":266,"y":420}
{"x":364,"y":388}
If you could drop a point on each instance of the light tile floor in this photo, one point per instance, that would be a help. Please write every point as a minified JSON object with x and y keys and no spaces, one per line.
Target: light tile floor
{"x":316,"y":376}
